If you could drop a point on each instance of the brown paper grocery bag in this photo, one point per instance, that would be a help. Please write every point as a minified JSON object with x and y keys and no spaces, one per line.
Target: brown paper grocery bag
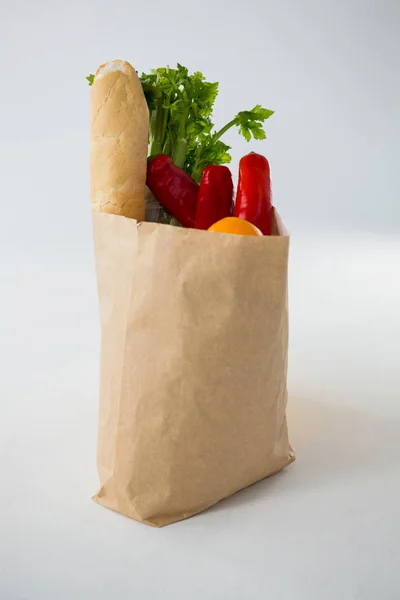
{"x":193,"y":366}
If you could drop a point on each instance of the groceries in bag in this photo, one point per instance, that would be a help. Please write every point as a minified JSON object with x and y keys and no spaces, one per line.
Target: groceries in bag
{"x":175,"y":173}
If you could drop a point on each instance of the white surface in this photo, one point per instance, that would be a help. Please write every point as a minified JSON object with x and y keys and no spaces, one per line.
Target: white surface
{"x":325,"y":528}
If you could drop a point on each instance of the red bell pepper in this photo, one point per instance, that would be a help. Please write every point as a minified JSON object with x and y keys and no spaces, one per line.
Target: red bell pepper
{"x":175,"y":190}
{"x":215,"y":199}
{"x":254,"y":195}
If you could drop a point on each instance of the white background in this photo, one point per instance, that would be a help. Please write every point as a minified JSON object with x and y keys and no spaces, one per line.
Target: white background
{"x":328,"y":527}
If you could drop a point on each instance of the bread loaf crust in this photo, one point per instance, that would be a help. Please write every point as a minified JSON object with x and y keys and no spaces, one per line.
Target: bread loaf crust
{"x":118,"y":141}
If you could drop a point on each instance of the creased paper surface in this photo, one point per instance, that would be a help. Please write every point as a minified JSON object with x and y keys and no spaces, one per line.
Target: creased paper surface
{"x":193,"y":365}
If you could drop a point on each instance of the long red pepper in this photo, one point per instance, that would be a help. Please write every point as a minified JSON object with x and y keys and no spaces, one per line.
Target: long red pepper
{"x":215,"y":199}
{"x":175,"y":190}
{"x":254,"y":195}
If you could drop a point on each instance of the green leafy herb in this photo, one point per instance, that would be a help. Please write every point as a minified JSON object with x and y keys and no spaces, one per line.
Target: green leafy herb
{"x":181,"y":107}
{"x":212,"y":150}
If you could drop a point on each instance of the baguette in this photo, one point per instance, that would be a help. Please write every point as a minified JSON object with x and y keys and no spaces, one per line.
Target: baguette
{"x":118,"y":141}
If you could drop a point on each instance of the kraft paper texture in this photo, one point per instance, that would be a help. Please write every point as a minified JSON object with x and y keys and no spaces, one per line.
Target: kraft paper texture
{"x":193,"y":365}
